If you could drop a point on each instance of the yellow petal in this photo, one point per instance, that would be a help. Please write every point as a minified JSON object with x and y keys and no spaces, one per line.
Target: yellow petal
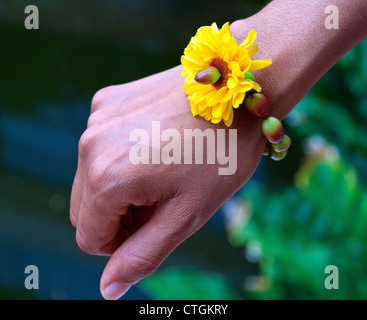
{"x":200,"y":95}
{"x":202,"y":112}
{"x":249,"y":40}
{"x":234,"y":67}
{"x":256,"y":86}
{"x":190,"y":64}
{"x":191,"y":86}
{"x":193,"y":60}
{"x":253,"y":50}
{"x":223,"y":94}
{"x":259,"y":64}
{"x":226,"y":112}
{"x":194,"y":110}
{"x":229,"y":120}
{"x":214,"y":27}
{"x":208,"y":48}
{"x":190,"y":77}
{"x":218,"y":110}
{"x":245,"y":85}
{"x":194,"y":54}
{"x":224,"y":30}
{"x":224,"y":52}
{"x":232,"y":82}
{"x":216,"y":120}
{"x":208,"y":114}
{"x":226,"y":37}
{"x":186,"y":71}
{"x":244,"y":63}
{"x":238,"y":99}
{"x":201,"y":106}
{"x":211,"y":99}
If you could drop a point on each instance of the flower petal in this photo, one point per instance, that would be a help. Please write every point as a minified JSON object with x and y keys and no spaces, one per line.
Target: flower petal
{"x":249,"y":40}
{"x":238,"y":99}
{"x":235,"y":68}
{"x":191,"y":63}
{"x":216,"y":120}
{"x":244,"y":86}
{"x":211,"y":98}
{"x":201,"y":93}
{"x":223,"y":94}
{"x":256,"y":86}
{"x":224,"y":30}
{"x":208,"y":114}
{"x":245,"y":63}
{"x":229,"y":120}
{"x":201,"y":106}
{"x":218,"y":110}
{"x":232,"y":82}
{"x":253,"y":50}
{"x":214,"y":27}
{"x":259,"y":64}
{"x":194,"y":110}
{"x":195,"y":59}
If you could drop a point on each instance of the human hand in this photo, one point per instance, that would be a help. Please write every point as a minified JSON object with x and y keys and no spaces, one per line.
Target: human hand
{"x":140,"y":213}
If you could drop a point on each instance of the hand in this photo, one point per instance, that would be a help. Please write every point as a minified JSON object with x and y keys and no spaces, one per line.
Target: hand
{"x":140,"y":213}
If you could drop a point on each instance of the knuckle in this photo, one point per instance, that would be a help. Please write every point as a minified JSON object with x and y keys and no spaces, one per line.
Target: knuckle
{"x":98,"y":175}
{"x":94,"y":118}
{"x":99,"y":97}
{"x":86,"y":141}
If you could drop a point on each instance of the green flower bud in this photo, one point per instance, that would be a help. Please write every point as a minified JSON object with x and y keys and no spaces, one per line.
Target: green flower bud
{"x":282,"y":145}
{"x":272,"y":129}
{"x":209,"y":75}
{"x":277,"y":156}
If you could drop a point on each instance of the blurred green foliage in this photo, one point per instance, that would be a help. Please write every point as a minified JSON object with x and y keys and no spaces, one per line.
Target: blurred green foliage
{"x":309,"y":210}
{"x":295,"y":232}
{"x":188,"y":284}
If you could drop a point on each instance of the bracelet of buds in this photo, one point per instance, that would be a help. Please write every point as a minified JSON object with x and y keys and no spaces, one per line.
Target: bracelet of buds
{"x":272,"y":128}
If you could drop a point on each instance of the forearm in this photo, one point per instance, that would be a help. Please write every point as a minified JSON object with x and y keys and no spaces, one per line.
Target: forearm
{"x":294,"y":35}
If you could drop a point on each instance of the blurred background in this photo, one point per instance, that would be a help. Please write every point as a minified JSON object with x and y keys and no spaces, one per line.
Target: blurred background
{"x":272,"y":240}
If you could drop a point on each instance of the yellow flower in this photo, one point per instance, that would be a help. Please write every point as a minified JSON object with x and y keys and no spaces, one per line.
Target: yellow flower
{"x":217,"y":48}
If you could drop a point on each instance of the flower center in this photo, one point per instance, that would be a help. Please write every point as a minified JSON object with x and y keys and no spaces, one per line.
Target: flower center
{"x":222,"y":66}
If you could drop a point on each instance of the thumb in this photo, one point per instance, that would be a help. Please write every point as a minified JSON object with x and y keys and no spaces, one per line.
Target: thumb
{"x":142,"y":253}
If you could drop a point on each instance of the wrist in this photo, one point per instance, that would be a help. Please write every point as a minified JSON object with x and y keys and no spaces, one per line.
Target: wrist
{"x":294,"y":36}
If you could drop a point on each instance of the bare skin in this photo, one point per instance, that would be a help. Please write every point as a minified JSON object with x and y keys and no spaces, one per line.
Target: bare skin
{"x":139,"y":214}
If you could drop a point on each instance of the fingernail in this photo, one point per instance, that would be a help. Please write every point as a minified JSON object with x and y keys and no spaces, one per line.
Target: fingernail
{"x":114,"y":291}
